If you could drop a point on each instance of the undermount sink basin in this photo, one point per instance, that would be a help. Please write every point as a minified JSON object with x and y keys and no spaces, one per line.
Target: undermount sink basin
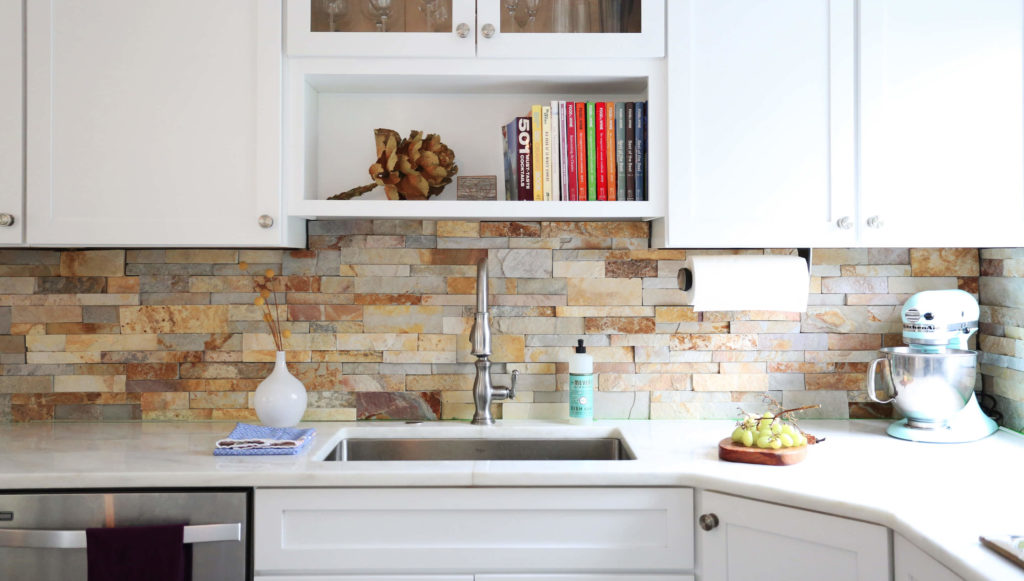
{"x":389,"y":449}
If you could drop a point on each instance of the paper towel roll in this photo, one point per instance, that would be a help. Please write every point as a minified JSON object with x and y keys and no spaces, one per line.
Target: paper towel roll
{"x":747,"y":283}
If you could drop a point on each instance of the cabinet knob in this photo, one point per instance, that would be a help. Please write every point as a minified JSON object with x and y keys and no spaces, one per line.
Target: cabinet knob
{"x":708,"y":521}
{"x":875,"y":222}
{"x":265,"y":221}
{"x":6,"y":219}
{"x":487,"y":30}
{"x":462,"y":30}
{"x":844,"y":223}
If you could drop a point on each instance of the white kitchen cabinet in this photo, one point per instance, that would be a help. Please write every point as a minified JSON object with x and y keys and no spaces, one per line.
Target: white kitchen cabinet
{"x":834,"y":124}
{"x":747,"y":539}
{"x":583,"y":577}
{"x":474,"y":531}
{"x":12,"y":184}
{"x":913,"y":564}
{"x":754,"y":108}
{"x":485,"y":28}
{"x":155,"y":123}
{"x":366,"y":578}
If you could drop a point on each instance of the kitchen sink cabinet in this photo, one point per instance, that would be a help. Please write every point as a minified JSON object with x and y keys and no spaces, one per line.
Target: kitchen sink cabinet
{"x":842,"y":123}
{"x":12,"y":185}
{"x":497,"y":534}
{"x":745,"y":539}
{"x":154,"y":123}
{"x":913,"y":564}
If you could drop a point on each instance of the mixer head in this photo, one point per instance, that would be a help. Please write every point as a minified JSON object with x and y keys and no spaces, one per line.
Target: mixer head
{"x":939,"y":319}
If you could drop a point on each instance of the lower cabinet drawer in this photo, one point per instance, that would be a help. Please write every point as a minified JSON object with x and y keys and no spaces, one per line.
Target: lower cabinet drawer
{"x":474,"y":530}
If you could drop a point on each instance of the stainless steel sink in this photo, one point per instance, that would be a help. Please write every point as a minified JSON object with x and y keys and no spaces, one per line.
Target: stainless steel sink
{"x":388,"y":449}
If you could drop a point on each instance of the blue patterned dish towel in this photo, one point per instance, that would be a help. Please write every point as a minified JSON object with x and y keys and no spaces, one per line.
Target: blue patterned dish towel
{"x":250,"y":440}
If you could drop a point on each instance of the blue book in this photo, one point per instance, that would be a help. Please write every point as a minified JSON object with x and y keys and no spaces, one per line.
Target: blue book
{"x":639,"y":156}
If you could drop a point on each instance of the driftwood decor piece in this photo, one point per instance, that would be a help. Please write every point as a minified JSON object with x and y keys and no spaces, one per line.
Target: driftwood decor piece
{"x":415,"y":168}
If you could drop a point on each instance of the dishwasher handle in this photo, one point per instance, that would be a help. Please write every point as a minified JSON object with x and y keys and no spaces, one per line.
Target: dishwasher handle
{"x":57,"y":539}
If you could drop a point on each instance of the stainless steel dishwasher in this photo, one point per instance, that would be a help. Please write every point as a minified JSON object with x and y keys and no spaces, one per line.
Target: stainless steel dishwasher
{"x":42,"y":535}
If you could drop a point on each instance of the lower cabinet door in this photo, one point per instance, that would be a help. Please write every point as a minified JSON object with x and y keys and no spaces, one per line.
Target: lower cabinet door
{"x":365,"y":578}
{"x":744,"y":539}
{"x":584,"y":577}
{"x":913,"y":564}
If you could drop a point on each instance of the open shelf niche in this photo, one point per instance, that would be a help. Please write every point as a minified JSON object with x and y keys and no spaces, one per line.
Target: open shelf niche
{"x":335,"y":104}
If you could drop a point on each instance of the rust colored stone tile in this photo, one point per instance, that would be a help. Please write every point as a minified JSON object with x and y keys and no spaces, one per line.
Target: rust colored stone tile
{"x":54,"y":314}
{"x":244,"y":415}
{"x":151,"y":356}
{"x":510,"y":229}
{"x":164,"y":401}
{"x":595,"y":229}
{"x":990,"y":267}
{"x":892,"y":340}
{"x":191,"y":415}
{"x":969,"y":284}
{"x":945,"y":261}
{"x":217,"y":341}
{"x":852,"y":367}
{"x":630,"y":268}
{"x":458,"y":228}
{"x":342,"y":313}
{"x":174,"y":319}
{"x":50,"y":285}
{"x":12,"y":344}
{"x":799,"y":367}
{"x":382,"y":299}
{"x":398,"y":406}
{"x":100,"y":369}
{"x":348,"y":356}
{"x":152,"y":371}
{"x":854,"y":341}
{"x":630,"y":325}
{"x":714,"y":342}
{"x":675,"y":315}
{"x":210,"y":385}
{"x":152,"y":386}
{"x":870,"y":411}
{"x":31,"y":412}
{"x":123,"y":284}
{"x":835,"y":381}
{"x":452,"y":255}
{"x":92,"y":263}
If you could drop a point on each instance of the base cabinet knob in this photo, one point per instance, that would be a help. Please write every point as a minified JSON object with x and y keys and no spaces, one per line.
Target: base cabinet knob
{"x":875,"y":222}
{"x":487,"y":30}
{"x":708,"y":521}
{"x":844,"y":223}
{"x":265,"y":221}
{"x":462,"y":30}
{"x":6,"y":219}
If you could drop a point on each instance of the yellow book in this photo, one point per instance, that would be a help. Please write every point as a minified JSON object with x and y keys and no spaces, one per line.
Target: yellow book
{"x":537,"y":118}
{"x":610,"y":124}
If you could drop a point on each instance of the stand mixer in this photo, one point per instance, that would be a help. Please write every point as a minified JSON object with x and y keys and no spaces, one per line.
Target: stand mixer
{"x":931,"y":381}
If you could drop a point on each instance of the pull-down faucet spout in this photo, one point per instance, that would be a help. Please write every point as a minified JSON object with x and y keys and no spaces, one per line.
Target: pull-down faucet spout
{"x":480,"y":337}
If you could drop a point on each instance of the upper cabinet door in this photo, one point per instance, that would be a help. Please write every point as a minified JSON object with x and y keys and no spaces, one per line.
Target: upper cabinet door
{"x":760,"y":123}
{"x":381,"y":28}
{"x":12,"y":184}
{"x":154,"y":122}
{"x":941,"y":122}
{"x":571,"y":28}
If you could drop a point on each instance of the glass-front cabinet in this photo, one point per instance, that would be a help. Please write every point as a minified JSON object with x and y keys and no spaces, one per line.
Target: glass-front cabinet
{"x":468,"y":28}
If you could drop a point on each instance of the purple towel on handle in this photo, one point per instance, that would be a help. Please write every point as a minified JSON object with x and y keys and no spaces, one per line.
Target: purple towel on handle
{"x":149,"y":553}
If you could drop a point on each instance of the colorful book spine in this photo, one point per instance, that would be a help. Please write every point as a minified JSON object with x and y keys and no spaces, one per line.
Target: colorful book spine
{"x":570,"y":153}
{"x":609,"y":122}
{"x":591,"y":151}
{"x":524,"y":158}
{"x":620,"y":151}
{"x":556,"y":154}
{"x":630,"y":151}
{"x":537,"y":130}
{"x":581,"y":151}
{"x":563,"y":151}
{"x":601,"y":146}
{"x":508,"y":150}
{"x":647,"y":154}
{"x":641,"y":149}
{"x":545,"y":116}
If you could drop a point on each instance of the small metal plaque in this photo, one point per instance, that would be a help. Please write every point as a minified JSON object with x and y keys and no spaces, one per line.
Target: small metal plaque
{"x":6,"y":515}
{"x":477,"y":188}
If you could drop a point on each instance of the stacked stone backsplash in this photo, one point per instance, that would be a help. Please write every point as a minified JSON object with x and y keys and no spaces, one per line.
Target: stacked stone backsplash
{"x":380,"y":313}
{"x":1001,"y":333}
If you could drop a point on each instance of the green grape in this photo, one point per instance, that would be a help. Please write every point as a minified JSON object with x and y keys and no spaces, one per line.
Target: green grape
{"x":801,"y":440}
{"x":748,"y":438}
{"x":775,"y":443}
{"x":788,"y":429}
{"x":737,"y":434}
{"x":776,"y":428}
{"x":768,"y":415}
{"x":764,"y":441}
{"x":787,"y":440}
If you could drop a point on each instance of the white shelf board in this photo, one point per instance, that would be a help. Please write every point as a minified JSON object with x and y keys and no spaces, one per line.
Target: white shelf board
{"x":477,"y":209}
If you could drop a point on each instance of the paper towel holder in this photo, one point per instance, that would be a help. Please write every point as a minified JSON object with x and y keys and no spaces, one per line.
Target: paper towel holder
{"x":684,"y":278}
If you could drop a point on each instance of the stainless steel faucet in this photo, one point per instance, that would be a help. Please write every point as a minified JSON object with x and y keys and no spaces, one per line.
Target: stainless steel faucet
{"x":480,"y":335}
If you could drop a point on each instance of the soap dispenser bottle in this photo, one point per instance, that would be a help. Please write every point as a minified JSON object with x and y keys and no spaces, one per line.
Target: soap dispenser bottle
{"x":581,"y":386}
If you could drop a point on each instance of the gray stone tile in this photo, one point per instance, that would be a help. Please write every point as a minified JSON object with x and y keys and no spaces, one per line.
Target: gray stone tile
{"x":541,"y":286}
{"x":186,"y":268}
{"x":331,"y":399}
{"x":421,"y":241}
{"x":339,"y":227}
{"x":517,"y":263}
{"x":834,"y":404}
{"x":174,"y":298}
{"x":5,"y":320}
{"x":398,"y":227}
{"x":456,"y":242}
{"x":5,"y":409}
{"x":609,"y":405}
{"x":150,"y":283}
{"x":406,"y":368}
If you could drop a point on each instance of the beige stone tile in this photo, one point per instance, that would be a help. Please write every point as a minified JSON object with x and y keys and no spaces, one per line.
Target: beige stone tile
{"x":643,"y":381}
{"x":675,"y":314}
{"x":92,"y":263}
{"x":47,"y":314}
{"x":875,"y":270}
{"x":915,"y":284}
{"x":63,"y":357}
{"x":164,"y":401}
{"x":377,"y":341}
{"x":441,"y":382}
{"x":419,"y":357}
{"x":110,"y":342}
{"x":607,"y":291}
{"x":402,"y":319}
{"x":840,"y":256}
{"x":743,"y":367}
{"x":731,"y":382}
{"x":45,"y":342}
{"x":578,"y":269}
{"x":945,"y":261}
{"x":513,"y":410}
{"x":89,"y":383}
{"x":458,"y":228}
{"x":174,"y":319}
{"x":604,"y":311}
{"x":714,"y":342}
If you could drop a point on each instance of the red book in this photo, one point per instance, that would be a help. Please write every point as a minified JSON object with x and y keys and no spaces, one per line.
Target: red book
{"x":570,"y":148}
{"x":581,"y":151}
{"x":602,"y":152}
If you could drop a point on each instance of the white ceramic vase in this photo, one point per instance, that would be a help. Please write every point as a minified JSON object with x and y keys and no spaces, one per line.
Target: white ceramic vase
{"x":280,"y":398}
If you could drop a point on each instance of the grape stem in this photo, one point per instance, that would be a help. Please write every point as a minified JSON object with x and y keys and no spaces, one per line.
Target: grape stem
{"x":801,"y":408}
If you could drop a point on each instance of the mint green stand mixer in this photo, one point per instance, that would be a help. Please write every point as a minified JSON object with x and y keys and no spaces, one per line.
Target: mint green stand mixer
{"x":931,"y":380}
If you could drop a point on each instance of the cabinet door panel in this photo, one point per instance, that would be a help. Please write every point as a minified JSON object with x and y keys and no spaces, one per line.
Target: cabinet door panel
{"x":11,"y":120}
{"x":913,"y":564}
{"x":759,"y":540}
{"x":583,"y":577}
{"x":942,"y":112}
{"x":750,"y":123}
{"x":365,"y":578}
{"x":154,"y":123}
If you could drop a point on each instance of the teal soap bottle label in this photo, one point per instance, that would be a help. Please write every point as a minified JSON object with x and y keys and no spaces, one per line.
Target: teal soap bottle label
{"x":581,"y":396}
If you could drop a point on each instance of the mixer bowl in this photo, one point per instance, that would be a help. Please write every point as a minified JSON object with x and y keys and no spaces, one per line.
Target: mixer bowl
{"x":927,"y":388}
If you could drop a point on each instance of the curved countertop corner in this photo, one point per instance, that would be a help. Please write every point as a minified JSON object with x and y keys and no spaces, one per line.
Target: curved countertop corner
{"x":941,"y":497}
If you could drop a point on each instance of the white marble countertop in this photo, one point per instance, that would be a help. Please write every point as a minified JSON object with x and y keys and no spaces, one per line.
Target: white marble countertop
{"x":938,"y":496}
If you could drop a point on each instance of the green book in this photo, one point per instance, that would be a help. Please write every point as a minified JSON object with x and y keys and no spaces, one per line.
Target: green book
{"x":591,"y":151}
